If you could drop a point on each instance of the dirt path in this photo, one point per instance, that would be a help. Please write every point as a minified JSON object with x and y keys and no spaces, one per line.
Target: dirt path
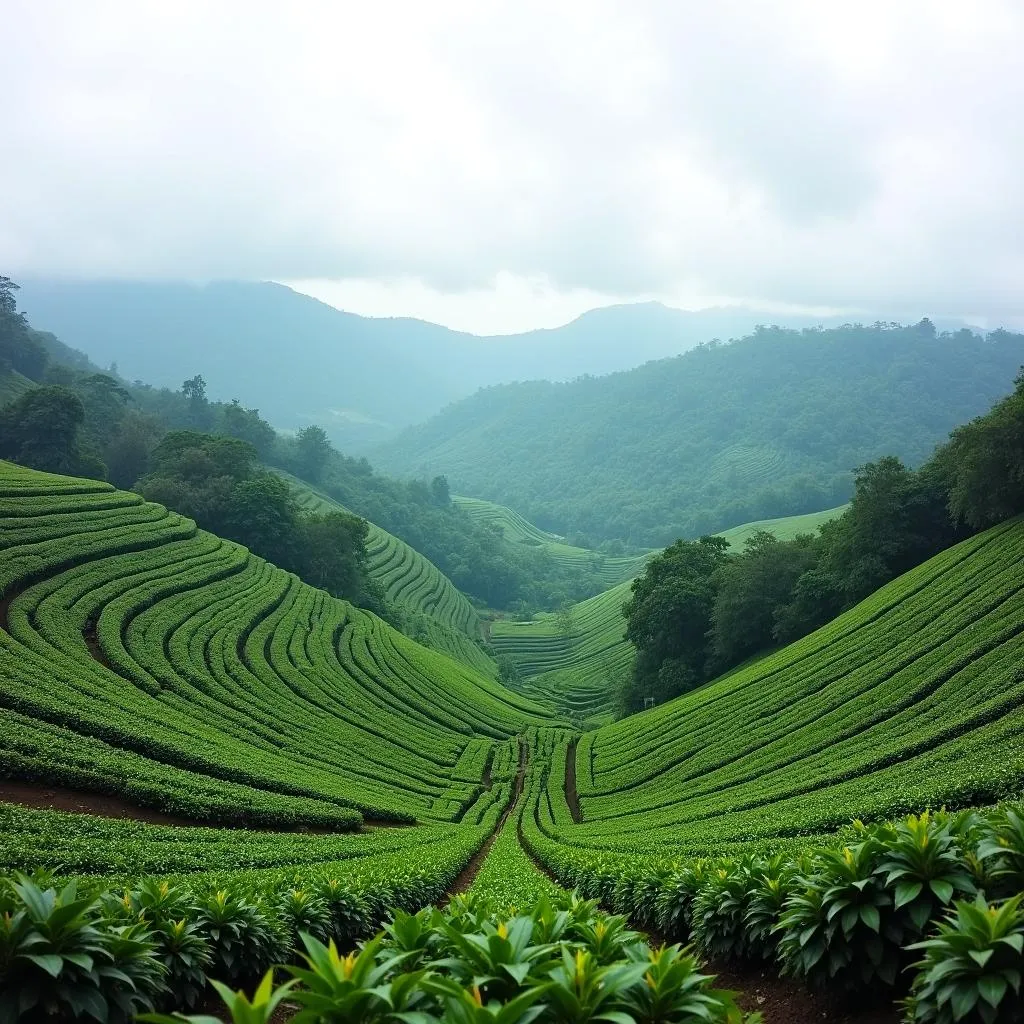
{"x":469,"y":872}
{"x":571,"y":796}
{"x":41,"y":796}
{"x":784,"y":1001}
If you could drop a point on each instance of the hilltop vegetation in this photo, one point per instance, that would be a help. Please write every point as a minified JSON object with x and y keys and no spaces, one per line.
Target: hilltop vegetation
{"x":301,"y":361}
{"x":769,"y":425}
{"x":129,"y":626}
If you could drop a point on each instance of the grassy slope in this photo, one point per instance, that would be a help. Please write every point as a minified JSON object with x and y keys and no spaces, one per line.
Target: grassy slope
{"x":913,"y":697}
{"x":210,"y":668}
{"x":444,"y":618}
{"x":784,"y":529}
{"x":580,"y":672}
{"x":607,"y":570}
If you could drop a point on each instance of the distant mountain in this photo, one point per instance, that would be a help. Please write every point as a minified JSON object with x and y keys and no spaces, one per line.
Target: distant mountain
{"x":769,"y":425}
{"x":300,"y":361}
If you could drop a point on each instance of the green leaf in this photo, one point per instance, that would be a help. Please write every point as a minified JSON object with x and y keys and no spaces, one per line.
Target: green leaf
{"x":992,"y":988}
{"x":942,"y":889}
{"x":869,"y":915}
{"x":50,"y":962}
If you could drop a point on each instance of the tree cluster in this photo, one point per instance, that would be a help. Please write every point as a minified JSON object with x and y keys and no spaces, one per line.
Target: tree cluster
{"x":700,"y":610}
{"x":764,"y":426}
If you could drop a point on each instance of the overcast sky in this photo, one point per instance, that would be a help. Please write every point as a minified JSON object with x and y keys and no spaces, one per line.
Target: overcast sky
{"x":497,"y":166}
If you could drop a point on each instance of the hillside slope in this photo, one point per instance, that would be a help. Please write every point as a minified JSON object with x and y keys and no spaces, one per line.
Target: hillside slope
{"x":914,"y":697}
{"x":607,"y":569}
{"x":767,"y":426}
{"x":442,"y":616}
{"x":577,"y":661}
{"x":142,"y":656}
{"x":299,"y":361}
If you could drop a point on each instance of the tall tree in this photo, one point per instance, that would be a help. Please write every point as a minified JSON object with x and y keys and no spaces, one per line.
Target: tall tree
{"x":41,"y":429}
{"x":668,"y":618}
{"x":19,"y":350}
{"x":312,"y":450}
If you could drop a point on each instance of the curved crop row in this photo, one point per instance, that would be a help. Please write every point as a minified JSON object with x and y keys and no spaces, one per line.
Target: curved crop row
{"x":605,"y":570}
{"x":205,"y":666}
{"x":413,"y":582}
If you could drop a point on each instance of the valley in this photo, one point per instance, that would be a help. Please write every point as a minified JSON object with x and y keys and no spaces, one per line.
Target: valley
{"x":233,"y":768}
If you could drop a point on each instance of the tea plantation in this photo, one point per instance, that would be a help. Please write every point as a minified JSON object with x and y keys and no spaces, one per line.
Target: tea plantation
{"x":332,"y":784}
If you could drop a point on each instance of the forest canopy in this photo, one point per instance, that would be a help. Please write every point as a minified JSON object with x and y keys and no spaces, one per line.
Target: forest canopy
{"x":769,"y":425}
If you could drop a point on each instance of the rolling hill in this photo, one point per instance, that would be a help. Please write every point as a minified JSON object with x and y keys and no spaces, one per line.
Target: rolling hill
{"x":441,"y":616}
{"x":767,"y":426}
{"x":300,"y":361}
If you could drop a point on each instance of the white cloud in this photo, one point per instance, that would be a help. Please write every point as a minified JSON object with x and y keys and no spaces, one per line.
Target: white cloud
{"x":502,"y":163}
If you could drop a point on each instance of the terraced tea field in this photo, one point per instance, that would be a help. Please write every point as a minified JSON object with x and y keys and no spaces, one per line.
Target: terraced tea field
{"x":446,"y":619}
{"x":143,"y":659}
{"x":575,"y":671}
{"x":143,"y":656}
{"x":606,"y":570}
{"x":913,"y":698}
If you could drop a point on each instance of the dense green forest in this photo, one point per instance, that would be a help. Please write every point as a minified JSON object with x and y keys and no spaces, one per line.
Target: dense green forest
{"x":300,"y":361}
{"x":699,"y":610}
{"x":171,"y":444}
{"x":770,"y":425}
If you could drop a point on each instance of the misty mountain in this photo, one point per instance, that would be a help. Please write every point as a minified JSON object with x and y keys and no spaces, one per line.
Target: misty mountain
{"x":768,"y":425}
{"x":300,"y":361}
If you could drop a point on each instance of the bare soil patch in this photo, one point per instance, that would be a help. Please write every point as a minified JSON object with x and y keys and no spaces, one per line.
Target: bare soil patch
{"x":784,"y":1001}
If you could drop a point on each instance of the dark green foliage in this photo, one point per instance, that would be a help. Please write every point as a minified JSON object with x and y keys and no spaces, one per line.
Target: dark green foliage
{"x":668,"y":618}
{"x":777,"y":591}
{"x":60,"y":960}
{"x":218,"y":482}
{"x":312,"y":452}
{"x":19,"y":350}
{"x":246,"y":425}
{"x":41,"y":429}
{"x":244,"y":940}
{"x":766,"y":426}
{"x":750,"y":592}
{"x":983,"y":464}
{"x":972,"y":969}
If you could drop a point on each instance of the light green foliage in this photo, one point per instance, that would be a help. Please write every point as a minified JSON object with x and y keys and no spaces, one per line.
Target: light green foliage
{"x":213,"y":666}
{"x":437,"y":613}
{"x":785,"y":528}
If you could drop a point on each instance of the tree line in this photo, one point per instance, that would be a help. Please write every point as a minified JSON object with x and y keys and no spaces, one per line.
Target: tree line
{"x":209,"y":459}
{"x":699,"y":609}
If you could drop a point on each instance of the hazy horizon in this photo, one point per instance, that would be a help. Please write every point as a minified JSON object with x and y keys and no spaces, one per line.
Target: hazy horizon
{"x":505,"y":169}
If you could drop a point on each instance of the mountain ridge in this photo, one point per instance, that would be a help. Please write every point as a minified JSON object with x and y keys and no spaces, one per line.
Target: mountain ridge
{"x":300,"y":360}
